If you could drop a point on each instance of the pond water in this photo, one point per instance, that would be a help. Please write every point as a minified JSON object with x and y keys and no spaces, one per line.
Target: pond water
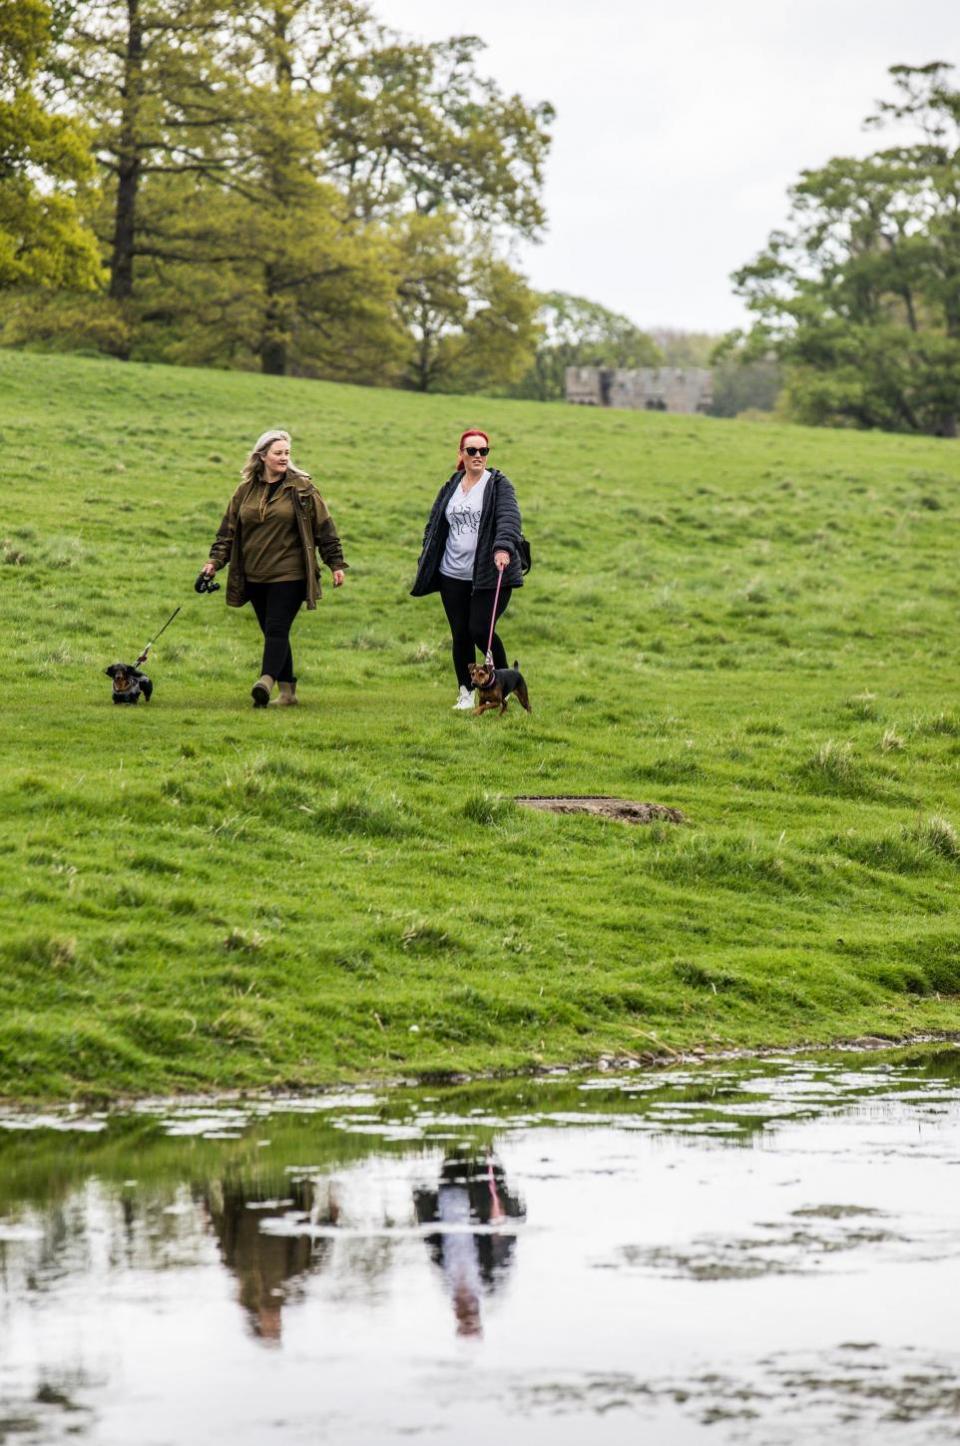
{"x":745,"y":1252}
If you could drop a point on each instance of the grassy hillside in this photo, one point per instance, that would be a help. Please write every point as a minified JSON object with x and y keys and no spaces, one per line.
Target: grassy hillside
{"x":757,"y":624}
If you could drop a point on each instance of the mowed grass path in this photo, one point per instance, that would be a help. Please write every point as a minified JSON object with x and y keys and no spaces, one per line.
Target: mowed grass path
{"x":756,"y":623}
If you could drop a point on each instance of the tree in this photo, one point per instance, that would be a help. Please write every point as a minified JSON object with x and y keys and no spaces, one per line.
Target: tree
{"x":264,"y":157}
{"x":469,"y":317}
{"x":264,"y":163}
{"x":741,"y":382}
{"x":685,"y":348}
{"x":431,"y":297}
{"x":392,"y":136}
{"x":281,"y":286}
{"x":498,"y":341}
{"x":859,"y":296}
{"x":576,"y":332}
{"x":43,"y":157}
{"x":307,"y":262}
{"x":143,"y":74}
{"x":416,"y":127}
{"x":745,"y":386}
{"x":224,"y":240}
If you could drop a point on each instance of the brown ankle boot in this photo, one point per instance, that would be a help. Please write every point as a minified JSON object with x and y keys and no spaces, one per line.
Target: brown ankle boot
{"x":288,"y":696}
{"x":261,"y":690}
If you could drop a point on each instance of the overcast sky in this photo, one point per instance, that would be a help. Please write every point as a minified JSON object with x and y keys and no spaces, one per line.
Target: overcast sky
{"x":680,"y":125}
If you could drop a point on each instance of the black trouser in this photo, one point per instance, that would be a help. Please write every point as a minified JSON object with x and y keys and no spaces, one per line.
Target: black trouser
{"x":469,"y":614}
{"x":276,"y":604}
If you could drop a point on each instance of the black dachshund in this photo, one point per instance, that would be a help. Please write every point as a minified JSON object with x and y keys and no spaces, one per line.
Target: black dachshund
{"x":129,"y":683}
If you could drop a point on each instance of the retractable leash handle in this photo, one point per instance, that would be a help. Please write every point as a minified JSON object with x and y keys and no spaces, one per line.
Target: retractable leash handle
{"x":488,"y":656}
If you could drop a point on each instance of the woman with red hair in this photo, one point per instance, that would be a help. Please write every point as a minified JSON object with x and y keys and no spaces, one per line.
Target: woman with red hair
{"x":472,"y":536}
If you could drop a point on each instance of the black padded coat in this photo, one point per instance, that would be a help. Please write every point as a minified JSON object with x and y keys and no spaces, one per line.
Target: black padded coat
{"x":499,"y":529}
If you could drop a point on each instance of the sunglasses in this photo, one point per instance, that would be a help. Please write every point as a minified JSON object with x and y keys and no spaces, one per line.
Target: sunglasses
{"x":476,"y":451}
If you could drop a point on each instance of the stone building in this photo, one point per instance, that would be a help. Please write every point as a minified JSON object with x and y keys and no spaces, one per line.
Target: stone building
{"x":651,"y":389}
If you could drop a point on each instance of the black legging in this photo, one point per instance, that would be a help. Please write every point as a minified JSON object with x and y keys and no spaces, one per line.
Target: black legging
{"x":276,"y":604}
{"x":468,"y":614}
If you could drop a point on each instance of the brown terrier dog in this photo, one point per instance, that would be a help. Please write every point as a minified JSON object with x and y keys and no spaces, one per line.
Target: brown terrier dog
{"x":495,"y":686}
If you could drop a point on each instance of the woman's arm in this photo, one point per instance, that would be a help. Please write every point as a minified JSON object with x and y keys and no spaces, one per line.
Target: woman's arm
{"x":437,"y":502}
{"x":223,"y":542}
{"x":506,"y":519}
{"x":326,"y":537}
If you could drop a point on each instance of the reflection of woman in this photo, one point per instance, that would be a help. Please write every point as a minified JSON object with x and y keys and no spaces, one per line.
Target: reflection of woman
{"x":471,"y":536}
{"x":269,"y":1267}
{"x":472,"y":1191}
{"x":275,"y":523}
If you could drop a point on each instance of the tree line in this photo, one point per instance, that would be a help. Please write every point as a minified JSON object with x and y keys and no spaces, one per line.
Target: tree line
{"x":289,"y":186}
{"x":281,"y":184}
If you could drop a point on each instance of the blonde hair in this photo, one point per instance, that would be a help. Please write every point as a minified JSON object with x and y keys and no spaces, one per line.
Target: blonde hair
{"x":253,"y":467}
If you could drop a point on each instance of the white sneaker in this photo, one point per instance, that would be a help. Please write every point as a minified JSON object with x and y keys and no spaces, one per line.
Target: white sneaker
{"x":464,"y":700}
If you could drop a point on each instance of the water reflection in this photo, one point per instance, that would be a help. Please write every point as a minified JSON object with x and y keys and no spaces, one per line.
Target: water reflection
{"x":271,"y":1268}
{"x":766,"y":1252}
{"x":472,"y":1191}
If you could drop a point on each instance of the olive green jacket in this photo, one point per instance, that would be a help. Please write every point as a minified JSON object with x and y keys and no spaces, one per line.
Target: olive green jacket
{"x":317,"y":533}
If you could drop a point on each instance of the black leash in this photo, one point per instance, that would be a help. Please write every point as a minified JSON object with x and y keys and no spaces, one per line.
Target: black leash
{"x":143,"y":656}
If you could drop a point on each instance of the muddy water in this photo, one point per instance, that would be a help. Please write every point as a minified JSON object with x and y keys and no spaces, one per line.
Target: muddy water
{"x":745,"y":1253}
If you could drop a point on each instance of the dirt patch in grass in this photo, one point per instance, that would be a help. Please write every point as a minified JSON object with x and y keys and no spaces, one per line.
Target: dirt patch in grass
{"x":624,"y":809}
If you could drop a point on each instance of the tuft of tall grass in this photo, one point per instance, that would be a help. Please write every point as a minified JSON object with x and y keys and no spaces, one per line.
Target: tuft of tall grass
{"x":945,"y":723}
{"x":421,"y":936}
{"x":249,"y":941}
{"x":489,"y":808}
{"x":676,"y":769}
{"x":56,"y":951}
{"x":862,"y":706}
{"x":898,"y":852}
{"x":938,"y":835}
{"x":25,"y":548}
{"x":374,"y":818}
{"x":736,"y":863}
{"x":833,"y":769}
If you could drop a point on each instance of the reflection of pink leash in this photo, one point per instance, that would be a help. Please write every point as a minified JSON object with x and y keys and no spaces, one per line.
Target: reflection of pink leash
{"x":488,"y":656}
{"x":496,"y":1209}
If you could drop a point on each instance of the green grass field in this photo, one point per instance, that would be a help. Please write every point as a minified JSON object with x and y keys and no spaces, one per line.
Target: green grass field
{"x":754,"y":623}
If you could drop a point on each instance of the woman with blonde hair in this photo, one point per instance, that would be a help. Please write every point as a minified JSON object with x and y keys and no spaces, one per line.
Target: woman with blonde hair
{"x":273,"y":527}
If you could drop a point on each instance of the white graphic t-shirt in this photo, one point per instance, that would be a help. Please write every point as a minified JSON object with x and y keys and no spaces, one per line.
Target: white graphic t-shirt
{"x":463,"y":515}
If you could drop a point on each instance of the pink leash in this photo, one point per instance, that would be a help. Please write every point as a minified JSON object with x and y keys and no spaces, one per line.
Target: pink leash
{"x":488,"y":656}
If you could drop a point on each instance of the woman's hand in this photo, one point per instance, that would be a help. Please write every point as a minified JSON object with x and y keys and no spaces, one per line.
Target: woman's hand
{"x":208,"y":569}
{"x":501,"y":560}
{"x":337,"y":577}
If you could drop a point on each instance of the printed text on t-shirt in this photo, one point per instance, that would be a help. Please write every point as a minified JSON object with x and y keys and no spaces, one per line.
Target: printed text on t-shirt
{"x":463,"y":519}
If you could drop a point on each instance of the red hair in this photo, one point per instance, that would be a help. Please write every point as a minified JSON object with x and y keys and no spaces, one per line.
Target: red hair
{"x":470,"y":432}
